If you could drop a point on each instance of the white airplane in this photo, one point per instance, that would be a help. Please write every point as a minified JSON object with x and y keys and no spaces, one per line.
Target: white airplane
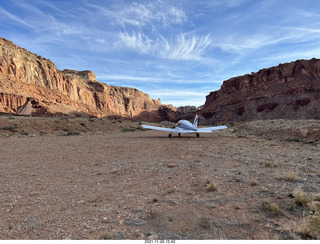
{"x":184,"y":126}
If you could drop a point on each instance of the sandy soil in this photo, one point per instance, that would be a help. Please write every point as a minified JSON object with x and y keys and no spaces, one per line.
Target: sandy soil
{"x":72,"y":178}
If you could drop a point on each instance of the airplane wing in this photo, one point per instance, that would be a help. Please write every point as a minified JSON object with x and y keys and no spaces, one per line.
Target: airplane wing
{"x":159,"y":128}
{"x":201,"y":130}
{"x":168,"y":129}
{"x":210,"y":129}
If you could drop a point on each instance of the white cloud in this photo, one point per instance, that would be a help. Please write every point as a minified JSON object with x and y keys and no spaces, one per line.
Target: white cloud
{"x":129,"y":78}
{"x":179,"y":97}
{"x":242,"y":42}
{"x":178,"y":93}
{"x":183,"y":47}
{"x":153,"y":13}
{"x":15,"y":19}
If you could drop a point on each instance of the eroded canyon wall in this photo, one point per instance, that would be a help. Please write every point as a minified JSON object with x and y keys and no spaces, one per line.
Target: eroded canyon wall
{"x":287,"y":91}
{"x":32,"y":85}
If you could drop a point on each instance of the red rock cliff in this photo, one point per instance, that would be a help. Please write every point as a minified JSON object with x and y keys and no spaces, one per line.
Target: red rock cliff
{"x":30,"y":84}
{"x":290,"y":90}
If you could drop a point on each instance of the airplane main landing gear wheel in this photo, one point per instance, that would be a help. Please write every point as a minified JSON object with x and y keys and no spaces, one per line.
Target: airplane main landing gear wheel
{"x":179,"y":134}
{"x":198,"y":135}
{"x":170,"y":135}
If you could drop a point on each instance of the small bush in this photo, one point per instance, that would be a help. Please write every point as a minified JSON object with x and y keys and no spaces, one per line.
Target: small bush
{"x":254,"y":182}
{"x":24,"y":133}
{"x":267,"y":164}
{"x":271,"y":207}
{"x":128,"y":129}
{"x":301,"y":198}
{"x":169,"y":191}
{"x":314,"y":206}
{"x":290,"y":176}
{"x":212,"y":187}
{"x":311,"y":227}
{"x":10,"y":128}
{"x":317,"y":197}
{"x":314,"y":221}
{"x":73,"y":133}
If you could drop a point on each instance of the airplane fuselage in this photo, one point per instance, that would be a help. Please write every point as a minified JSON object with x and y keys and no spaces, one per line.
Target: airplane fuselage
{"x":185,"y":124}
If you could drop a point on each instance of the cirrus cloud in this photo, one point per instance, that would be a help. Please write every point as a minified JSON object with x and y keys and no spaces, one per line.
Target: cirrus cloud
{"x":182,"y":47}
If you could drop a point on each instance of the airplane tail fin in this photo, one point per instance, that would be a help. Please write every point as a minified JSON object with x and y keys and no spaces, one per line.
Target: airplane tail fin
{"x":195,"y":122}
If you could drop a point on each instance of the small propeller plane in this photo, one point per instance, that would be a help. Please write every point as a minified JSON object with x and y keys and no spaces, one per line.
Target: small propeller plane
{"x":185,"y":126}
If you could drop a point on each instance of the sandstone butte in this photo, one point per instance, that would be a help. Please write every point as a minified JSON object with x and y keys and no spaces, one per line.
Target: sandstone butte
{"x":32,"y":85}
{"x":287,"y":91}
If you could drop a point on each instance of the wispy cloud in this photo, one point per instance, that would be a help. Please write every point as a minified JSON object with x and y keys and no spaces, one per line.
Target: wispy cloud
{"x":15,"y":18}
{"x":242,"y":42}
{"x":129,"y":78}
{"x":154,"y":13}
{"x":178,"y":97}
{"x":182,"y":47}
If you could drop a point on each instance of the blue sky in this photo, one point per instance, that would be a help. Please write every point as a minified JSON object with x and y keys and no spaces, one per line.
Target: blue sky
{"x":175,"y":50}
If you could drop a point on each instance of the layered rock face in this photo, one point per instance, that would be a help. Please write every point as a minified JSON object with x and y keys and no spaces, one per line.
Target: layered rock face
{"x":32,"y":85}
{"x":287,"y":91}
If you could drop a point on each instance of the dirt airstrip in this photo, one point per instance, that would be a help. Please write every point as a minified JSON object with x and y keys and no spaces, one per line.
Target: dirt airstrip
{"x":76,"y":178}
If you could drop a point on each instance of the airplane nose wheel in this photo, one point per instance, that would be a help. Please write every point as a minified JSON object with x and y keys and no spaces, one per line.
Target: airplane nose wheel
{"x":198,"y":135}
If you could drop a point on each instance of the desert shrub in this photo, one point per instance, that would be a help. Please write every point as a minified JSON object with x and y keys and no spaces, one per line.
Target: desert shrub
{"x":73,"y":133}
{"x":301,"y":198}
{"x":24,"y":133}
{"x":128,"y":129}
{"x":267,"y":164}
{"x":317,"y":197}
{"x":254,"y":182}
{"x":212,"y":187}
{"x":271,"y":207}
{"x":314,"y":206}
{"x":10,"y":128}
{"x":140,"y":128}
{"x":169,"y":191}
{"x":311,"y":227}
{"x":314,"y":221}
{"x":289,"y":176}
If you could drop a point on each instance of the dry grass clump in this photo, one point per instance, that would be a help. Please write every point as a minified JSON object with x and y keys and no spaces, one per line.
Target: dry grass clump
{"x":271,"y":207}
{"x":311,"y":225}
{"x":289,"y":176}
{"x":317,"y":197}
{"x":314,"y":221}
{"x":254,"y":182}
{"x":314,"y":206}
{"x":212,"y":187}
{"x":301,"y":198}
{"x":169,"y":191}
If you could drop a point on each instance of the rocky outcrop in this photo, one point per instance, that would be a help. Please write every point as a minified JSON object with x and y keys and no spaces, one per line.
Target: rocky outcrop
{"x":287,"y":91}
{"x":32,"y":85}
